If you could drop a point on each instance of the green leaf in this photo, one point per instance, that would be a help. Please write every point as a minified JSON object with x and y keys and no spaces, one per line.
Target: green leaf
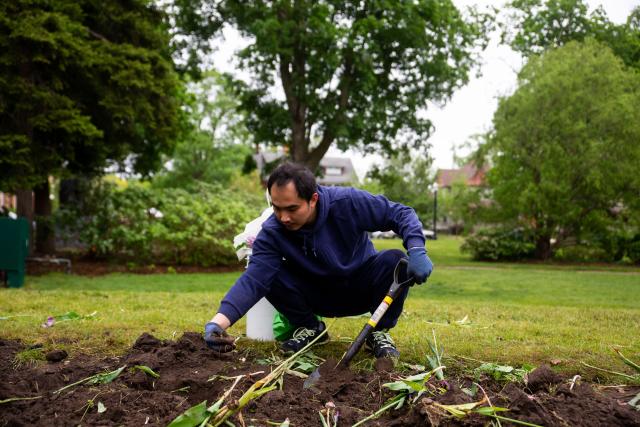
{"x":415,"y":386}
{"x":105,"y":378}
{"x":147,"y":370}
{"x":489,"y":410}
{"x":69,"y":315}
{"x":192,"y":417}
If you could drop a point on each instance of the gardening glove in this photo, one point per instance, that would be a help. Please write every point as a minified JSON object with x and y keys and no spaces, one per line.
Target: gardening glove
{"x":217,"y":339}
{"x":420,"y":266}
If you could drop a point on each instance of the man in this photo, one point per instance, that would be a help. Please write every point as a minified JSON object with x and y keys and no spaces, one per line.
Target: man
{"x":313,"y":257}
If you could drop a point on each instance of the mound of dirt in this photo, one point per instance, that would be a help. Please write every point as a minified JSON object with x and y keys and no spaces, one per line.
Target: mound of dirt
{"x":190,"y":373}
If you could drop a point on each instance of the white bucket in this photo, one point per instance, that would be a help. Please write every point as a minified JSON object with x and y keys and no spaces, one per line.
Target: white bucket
{"x":260,"y":321}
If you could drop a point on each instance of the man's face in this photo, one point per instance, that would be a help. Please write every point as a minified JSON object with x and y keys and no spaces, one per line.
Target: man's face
{"x":291,"y":210}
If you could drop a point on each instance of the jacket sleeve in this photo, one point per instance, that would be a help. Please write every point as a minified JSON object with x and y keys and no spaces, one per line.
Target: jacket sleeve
{"x":377,"y":213}
{"x":264,"y":263}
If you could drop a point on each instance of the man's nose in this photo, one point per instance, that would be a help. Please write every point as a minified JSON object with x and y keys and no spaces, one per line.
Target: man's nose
{"x":284,"y":218}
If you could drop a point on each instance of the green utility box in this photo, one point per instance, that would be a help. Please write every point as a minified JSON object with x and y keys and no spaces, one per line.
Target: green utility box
{"x":14,"y":248}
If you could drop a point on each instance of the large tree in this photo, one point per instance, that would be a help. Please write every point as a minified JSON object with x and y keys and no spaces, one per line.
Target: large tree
{"x":536,"y":25}
{"x":83,"y":83}
{"x":564,"y":147}
{"x":354,"y":74}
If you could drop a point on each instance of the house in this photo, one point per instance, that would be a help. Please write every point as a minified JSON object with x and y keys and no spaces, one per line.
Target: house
{"x":8,"y":202}
{"x":469,"y":174}
{"x":333,"y":170}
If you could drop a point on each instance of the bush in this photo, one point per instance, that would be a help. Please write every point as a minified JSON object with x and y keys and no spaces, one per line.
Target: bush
{"x":497,"y":244}
{"x":166,"y":226}
{"x":582,"y":253}
{"x":620,"y":244}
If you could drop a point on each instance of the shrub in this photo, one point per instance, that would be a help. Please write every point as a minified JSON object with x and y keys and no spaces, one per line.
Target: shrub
{"x":613,"y":247}
{"x":621,"y":244}
{"x":497,"y":244}
{"x":582,"y":253}
{"x":166,"y":226}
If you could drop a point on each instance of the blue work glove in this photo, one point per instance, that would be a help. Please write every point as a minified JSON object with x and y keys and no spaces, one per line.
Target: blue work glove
{"x":420,"y":266}
{"x":217,"y":339}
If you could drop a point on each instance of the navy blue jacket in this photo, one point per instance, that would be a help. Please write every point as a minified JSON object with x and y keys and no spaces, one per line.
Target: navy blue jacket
{"x":336,"y":245}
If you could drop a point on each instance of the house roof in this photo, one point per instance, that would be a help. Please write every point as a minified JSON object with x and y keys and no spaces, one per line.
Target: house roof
{"x":348,"y":174}
{"x":468,"y":174}
{"x":348,"y":171}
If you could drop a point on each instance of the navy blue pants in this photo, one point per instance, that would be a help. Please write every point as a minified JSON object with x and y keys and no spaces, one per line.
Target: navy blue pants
{"x":300,"y":297}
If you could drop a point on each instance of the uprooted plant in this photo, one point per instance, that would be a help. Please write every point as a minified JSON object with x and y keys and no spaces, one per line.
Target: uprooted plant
{"x":409,"y":390}
{"x":216,"y":414}
{"x":329,"y":415}
{"x":413,"y":387}
{"x":503,"y":372}
{"x":102,"y":378}
{"x":303,"y":365}
{"x":435,"y":358}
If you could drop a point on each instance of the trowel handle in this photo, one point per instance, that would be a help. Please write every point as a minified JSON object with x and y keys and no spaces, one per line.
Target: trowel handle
{"x":377,"y":314}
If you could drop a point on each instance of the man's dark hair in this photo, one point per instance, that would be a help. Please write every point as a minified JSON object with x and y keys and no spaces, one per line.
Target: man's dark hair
{"x":301,"y":177}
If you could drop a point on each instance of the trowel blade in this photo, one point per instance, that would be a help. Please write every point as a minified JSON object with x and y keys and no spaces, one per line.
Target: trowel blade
{"x":312,"y":379}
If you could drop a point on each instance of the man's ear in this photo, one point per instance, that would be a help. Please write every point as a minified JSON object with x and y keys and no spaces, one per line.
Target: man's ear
{"x":314,"y":200}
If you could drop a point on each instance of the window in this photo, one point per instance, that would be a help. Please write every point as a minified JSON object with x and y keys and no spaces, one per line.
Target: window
{"x":333,"y":171}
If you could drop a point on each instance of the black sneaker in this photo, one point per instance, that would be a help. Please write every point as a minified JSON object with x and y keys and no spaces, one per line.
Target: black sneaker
{"x":381,"y":344}
{"x":303,"y":336}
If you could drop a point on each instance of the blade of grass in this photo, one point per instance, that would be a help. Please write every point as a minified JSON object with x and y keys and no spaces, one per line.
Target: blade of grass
{"x":626,"y":360}
{"x":514,"y":421}
{"x":15,"y":399}
{"x":435,"y":360}
{"x":390,"y":404}
{"x":611,"y":372}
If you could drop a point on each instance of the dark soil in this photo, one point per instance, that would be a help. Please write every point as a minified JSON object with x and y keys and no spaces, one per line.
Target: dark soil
{"x":186,"y":365}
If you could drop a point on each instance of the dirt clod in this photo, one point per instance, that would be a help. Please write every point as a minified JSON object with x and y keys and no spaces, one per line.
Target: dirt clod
{"x":384,"y":364}
{"x":542,"y":378}
{"x":56,"y":355}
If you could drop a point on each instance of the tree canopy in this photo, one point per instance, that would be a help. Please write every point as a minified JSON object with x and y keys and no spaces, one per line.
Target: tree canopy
{"x":565,"y":147}
{"x":332,"y":72}
{"x":536,"y":25}
{"x":83,"y":83}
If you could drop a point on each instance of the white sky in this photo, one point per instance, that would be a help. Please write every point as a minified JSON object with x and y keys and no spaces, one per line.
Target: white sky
{"x":470,"y":110}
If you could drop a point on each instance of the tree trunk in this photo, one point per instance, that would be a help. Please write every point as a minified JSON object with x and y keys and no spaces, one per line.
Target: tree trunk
{"x":45,"y":237}
{"x":543,"y":247}
{"x":70,"y":192}
{"x":25,"y":209}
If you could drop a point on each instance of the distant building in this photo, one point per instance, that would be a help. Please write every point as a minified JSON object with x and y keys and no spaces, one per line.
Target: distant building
{"x":469,"y":174}
{"x":333,"y":170}
{"x":8,"y":201}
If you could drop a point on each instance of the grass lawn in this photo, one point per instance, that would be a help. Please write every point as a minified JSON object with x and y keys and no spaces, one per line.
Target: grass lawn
{"x":516,"y":313}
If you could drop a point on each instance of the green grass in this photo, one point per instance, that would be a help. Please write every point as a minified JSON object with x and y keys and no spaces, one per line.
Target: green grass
{"x":531,"y":313}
